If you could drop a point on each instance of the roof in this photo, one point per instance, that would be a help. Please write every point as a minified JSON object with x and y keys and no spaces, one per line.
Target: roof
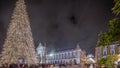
{"x":61,"y":50}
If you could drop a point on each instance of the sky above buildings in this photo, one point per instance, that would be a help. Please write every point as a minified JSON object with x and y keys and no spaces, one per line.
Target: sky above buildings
{"x":62,"y":23}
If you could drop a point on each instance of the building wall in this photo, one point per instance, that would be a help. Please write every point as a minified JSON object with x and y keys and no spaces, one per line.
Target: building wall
{"x":65,"y":57}
{"x":106,"y":50}
{"x":69,"y":56}
{"x":72,"y":56}
{"x":98,"y":53}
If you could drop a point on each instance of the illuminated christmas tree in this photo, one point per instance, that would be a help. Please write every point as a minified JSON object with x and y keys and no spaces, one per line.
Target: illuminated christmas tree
{"x":19,"y":42}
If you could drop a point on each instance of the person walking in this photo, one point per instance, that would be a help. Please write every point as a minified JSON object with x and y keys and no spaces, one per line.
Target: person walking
{"x":118,"y":66}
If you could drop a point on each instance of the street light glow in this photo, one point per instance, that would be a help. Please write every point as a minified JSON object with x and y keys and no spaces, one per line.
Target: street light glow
{"x":51,"y":55}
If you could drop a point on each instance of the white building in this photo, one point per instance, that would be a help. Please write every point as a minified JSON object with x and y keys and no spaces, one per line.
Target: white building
{"x":41,"y":52}
{"x":67,"y":56}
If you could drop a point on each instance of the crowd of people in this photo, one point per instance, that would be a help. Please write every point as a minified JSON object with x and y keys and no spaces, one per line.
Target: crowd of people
{"x":23,"y":66}
{"x":29,"y":66}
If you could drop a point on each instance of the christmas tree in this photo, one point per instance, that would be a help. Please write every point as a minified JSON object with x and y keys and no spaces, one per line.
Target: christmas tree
{"x":19,"y":42}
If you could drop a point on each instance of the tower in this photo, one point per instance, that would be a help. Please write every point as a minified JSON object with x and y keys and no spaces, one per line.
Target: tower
{"x":78,"y":50}
{"x":19,"y":42}
{"x":41,"y":50}
{"x":78,"y":47}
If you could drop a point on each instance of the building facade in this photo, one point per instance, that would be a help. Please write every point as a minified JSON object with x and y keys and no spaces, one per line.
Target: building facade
{"x":98,"y":53}
{"x":67,"y":56}
{"x":41,"y":53}
{"x":103,"y":51}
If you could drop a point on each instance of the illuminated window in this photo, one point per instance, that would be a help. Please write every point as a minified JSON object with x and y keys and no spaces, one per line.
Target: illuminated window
{"x":66,"y":55}
{"x":105,"y":51}
{"x":70,"y":54}
{"x":112,"y":49}
{"x":74,"y":54}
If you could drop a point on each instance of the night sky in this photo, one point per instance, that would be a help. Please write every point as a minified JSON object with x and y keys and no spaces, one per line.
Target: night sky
{"x":62,"y":23}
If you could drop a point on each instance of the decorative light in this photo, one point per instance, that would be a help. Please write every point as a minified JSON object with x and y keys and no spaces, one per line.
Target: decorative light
{"x":19,"y":41}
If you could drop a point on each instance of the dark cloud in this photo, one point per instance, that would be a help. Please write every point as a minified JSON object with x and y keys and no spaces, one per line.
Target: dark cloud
{"x":62,"y":23}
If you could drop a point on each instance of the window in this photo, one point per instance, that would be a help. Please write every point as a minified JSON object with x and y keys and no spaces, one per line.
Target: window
{"x":55,"y":56}
{"x":70,"y":54}
{"x":60,"y":55}
{"x":112,"y":49}
{"x":105,"y":51}
{"x":74,"y":54}
{"x":63,"y":55}
{"x":75,"y":62}
{"x":66,"y":55}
